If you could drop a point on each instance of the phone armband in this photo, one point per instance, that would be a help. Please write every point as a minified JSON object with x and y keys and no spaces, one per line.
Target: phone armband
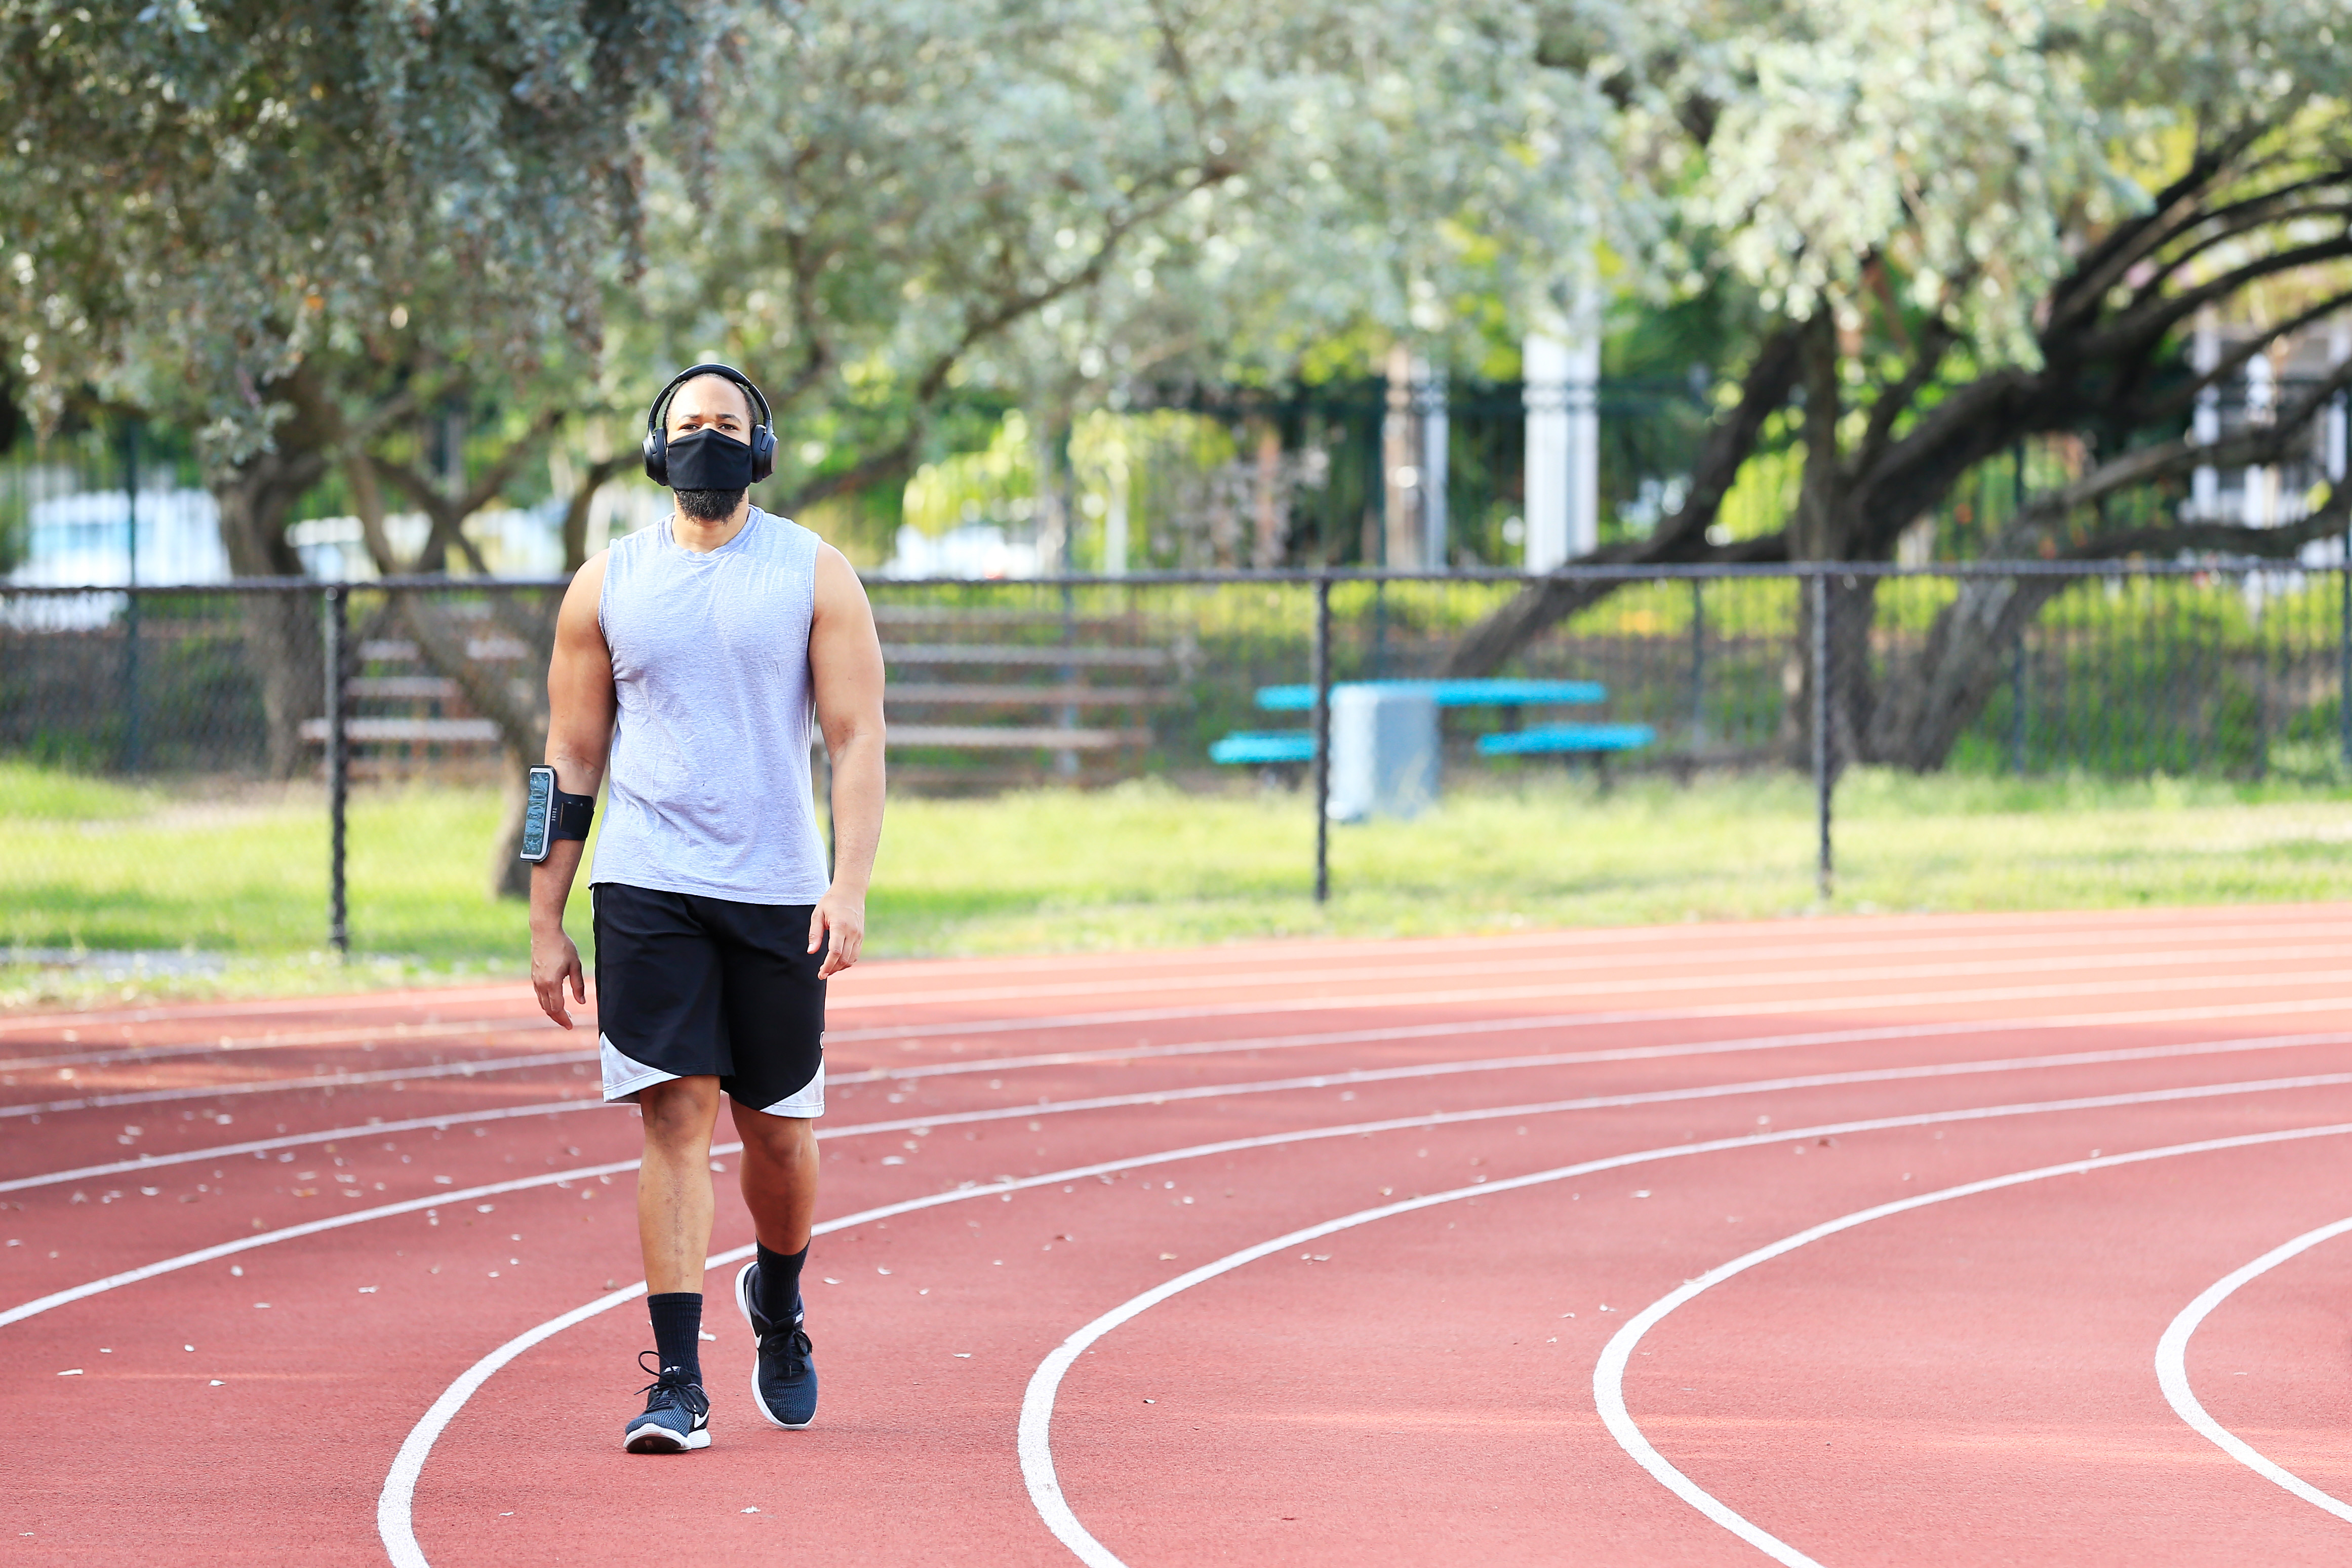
{"x":538,"y":807}
{"x":549,"y":814}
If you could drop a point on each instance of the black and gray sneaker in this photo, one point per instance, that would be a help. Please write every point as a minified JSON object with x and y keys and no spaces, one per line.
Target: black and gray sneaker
{"x":784,"y":1378}
{"x":677,"y":1413}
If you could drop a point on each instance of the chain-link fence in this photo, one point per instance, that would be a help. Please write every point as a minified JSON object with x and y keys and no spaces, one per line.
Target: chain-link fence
{"x":169,"y":781}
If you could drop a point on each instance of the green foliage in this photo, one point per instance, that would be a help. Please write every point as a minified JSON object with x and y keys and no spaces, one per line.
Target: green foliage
{"x":195,"y":199}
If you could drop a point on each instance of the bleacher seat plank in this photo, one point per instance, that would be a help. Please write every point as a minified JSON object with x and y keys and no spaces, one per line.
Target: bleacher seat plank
{"x":1021,"y":654}
{"x":414,"y":731}
{"x":1080,"y":696}
{"x":1003,"y":737}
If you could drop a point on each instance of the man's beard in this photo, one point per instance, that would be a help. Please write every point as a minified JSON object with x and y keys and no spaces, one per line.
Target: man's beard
{"x":707,"y":506}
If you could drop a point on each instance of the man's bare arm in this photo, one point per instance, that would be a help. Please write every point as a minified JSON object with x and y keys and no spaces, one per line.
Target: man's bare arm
{"x":579,"y":738}
{"x":845,"y":673}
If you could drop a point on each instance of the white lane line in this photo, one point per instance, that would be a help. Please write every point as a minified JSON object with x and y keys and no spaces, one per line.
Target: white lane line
{"x":1035,"y":1443}
{"x":1609,"y":1374}
{"x":2172,"y":1369}
{"x":290,"y":1141}
{"x":400,"y":1034}
{"x":1810,"y":1004}
{"x":2226,"y":1047}
{"x":352,"y":1002}
{"x":462,"y":1195}
{"x":2250,"y":924}
{"x":1196,"y":1048}
{"x":1456,"y":1029}
{"x":2204,"y":951}
{"x":289,"y":1085}
{"x":393,"y":1513}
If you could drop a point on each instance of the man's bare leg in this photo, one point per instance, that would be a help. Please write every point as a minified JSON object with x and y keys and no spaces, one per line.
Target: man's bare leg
{"x":674,"y":1199}
{"x":779,"y":1177}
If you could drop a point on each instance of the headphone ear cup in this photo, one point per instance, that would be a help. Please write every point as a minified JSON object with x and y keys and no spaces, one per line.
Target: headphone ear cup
{"x":764,"y":453}
{"x":656,"y":457}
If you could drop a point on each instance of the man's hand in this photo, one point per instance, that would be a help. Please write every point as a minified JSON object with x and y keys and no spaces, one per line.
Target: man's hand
{"x":837,"y":925}
{"x":554,"y":961}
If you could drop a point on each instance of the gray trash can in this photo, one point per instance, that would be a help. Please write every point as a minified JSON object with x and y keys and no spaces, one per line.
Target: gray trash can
{"x":1385,"y":755}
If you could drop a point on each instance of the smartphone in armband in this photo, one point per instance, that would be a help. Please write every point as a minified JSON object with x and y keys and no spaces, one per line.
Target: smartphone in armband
{"x":538,"y":809}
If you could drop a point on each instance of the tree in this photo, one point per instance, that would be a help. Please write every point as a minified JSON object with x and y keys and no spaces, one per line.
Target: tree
{"x":1962,"y":227}
{"x":1036,"y":199}
{"x":243,"y":217}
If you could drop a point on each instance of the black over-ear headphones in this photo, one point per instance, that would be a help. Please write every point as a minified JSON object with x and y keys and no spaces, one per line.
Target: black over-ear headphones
{"x":763,"y":438}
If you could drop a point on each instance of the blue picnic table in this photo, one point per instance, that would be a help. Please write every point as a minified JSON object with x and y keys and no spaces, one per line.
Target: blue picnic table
{"x":1451,"y":694}
{"x":1275,"y":748}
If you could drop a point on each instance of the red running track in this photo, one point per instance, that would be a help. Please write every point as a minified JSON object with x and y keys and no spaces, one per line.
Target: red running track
{"x":1512,"y":1325}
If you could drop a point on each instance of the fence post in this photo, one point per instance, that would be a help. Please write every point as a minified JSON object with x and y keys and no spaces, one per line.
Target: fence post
{"x":1320,"y":722}
{"x":2017,"y":688}
{"x":130,"y":748}
{"x":1818,"y":587}
{"x":1698,"y":668}
{"x":1065,"y":761}
{"x":339,"y":771}
{"x":2344,"y":651}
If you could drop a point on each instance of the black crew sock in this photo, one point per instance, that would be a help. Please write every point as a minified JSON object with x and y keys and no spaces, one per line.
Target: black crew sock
{"x":678,"y":1330}
{"x":779,"y":1283}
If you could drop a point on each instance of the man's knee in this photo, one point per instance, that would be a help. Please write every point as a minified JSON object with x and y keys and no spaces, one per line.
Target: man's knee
{"x":679,"y":1111}
{"x":779,"y":1139}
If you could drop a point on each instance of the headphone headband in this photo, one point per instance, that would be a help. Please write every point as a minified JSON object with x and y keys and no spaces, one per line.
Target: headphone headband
{"x":763,"y":435}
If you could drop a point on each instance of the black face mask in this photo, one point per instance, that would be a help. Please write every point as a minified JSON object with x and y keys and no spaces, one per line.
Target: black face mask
{"x":709,"y":459}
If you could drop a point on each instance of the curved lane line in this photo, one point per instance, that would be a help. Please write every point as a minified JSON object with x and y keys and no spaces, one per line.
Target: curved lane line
{"x":2172,"y":1369}
{"x":1586,"y":1102}
{"x":885,"y":970}
{"x":394,"y":1504}
{"x":1037,"y":1404}
{"x":1455,"y":1030}
{"x":2237,"y":980}
{"x":288,"y":1085}
{"x":402,"y":1034}
{"x":1566,"y":1020}
{"x":292,"y":1141}
{"x":1609,"y":1374}
{"x":1569,"y":960}
{"x":1325,"y":1081}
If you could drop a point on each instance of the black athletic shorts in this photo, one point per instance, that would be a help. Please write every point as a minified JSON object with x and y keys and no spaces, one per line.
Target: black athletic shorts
{"x":689,"y":986}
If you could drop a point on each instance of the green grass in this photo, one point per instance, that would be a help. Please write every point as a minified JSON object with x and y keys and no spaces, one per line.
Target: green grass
{"x":97,"y":866}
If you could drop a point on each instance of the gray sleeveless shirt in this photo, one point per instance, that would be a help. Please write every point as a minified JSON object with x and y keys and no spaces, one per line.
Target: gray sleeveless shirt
{"x":710,"y":773}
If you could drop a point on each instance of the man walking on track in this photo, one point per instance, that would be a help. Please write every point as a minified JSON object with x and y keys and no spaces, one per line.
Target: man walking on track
{"x":691,"y":653}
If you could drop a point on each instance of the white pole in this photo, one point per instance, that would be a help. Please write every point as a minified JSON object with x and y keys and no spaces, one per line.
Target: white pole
{"x":1583,"y":404}
{"x":1544,"y":369}
{"x":1428,"y":402}
{"x":1400,"y":465}
{"x":2257,"y":496}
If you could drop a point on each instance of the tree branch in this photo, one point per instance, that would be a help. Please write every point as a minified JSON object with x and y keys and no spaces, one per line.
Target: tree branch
{"x":2080,"y":293}
{"x":1771,"y":375}
{"x":2153,"y":465}
{"x":2136,"y":330}
{"x":2180,"y":401}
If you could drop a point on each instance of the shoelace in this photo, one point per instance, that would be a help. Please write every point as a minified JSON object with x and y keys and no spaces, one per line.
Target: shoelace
{"x":791,"y":1344}
{"x":673,"y":1386}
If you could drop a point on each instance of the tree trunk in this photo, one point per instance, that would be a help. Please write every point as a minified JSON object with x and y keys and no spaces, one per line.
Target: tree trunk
{"x":1933,"y":696}
{"x":1820,"y":534}
{"x":281,"y":629}
{"x":1681,"y":538}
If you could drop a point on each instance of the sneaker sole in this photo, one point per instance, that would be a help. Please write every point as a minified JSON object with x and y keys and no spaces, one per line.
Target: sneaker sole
{"x":662,"y":1440}
{"x":744,"y":1305}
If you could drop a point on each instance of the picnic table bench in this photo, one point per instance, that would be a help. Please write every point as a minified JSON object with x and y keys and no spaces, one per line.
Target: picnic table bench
{"x":1451,"y":694}
{"x":1264,"y":748}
